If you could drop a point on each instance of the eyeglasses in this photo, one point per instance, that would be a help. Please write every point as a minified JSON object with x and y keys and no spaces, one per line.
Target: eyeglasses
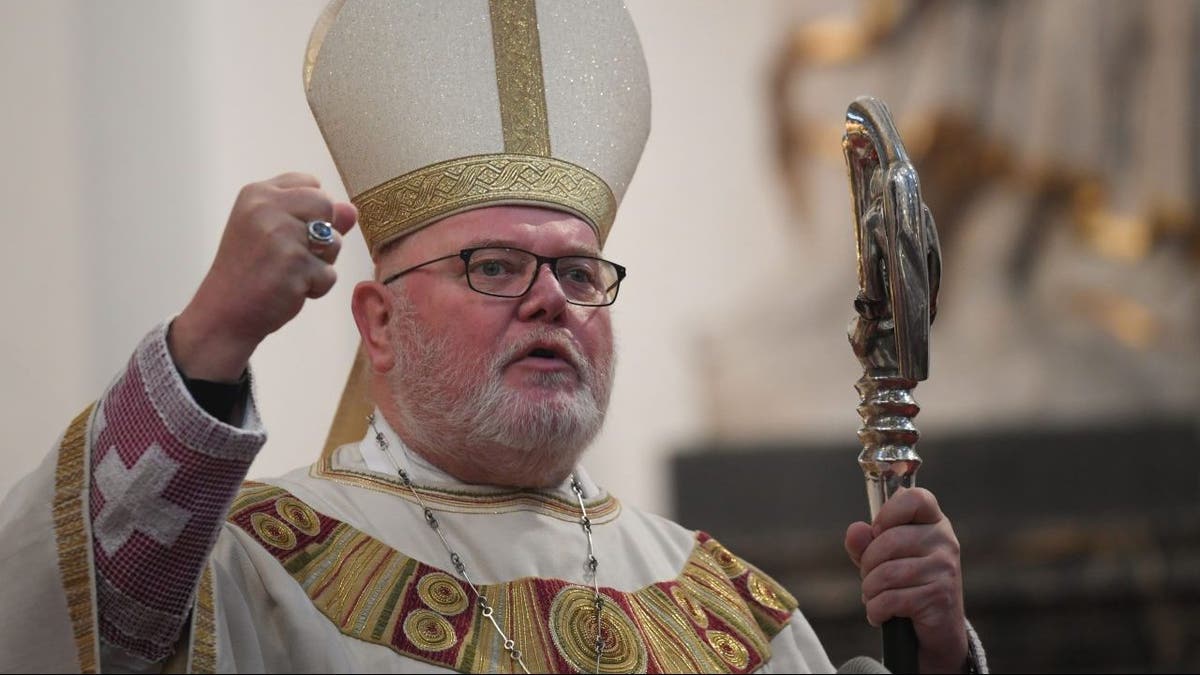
{"x":510,"y":273}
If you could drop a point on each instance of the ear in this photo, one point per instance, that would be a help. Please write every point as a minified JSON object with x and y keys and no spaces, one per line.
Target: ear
{"x":371,"y":305}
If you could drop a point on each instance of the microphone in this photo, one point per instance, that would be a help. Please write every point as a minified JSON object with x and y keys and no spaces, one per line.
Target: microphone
{"x":862,"y":665}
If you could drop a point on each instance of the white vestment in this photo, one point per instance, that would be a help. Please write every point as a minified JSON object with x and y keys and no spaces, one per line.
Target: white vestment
{"x":334,"y":568}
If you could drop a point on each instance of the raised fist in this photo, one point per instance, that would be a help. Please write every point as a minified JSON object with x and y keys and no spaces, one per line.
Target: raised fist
{"x":264,"y":270}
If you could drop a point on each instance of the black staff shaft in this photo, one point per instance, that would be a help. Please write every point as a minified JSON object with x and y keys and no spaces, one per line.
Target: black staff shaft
{"x":900,"y":646}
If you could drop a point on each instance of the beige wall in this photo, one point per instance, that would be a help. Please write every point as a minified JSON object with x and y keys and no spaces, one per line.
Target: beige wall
{"x":127,"y":129}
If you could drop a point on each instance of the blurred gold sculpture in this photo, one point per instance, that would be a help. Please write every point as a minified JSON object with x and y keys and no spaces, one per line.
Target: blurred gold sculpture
{"x":1056,"y":143}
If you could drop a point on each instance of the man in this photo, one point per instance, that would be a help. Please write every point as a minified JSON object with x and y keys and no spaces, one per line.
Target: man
{"x":460,"y":533}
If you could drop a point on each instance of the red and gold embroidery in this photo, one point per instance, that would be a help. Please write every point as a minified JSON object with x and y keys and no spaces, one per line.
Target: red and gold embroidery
{"x":718,"y":615}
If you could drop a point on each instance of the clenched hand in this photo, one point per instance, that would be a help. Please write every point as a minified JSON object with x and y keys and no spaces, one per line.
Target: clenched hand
{"x":909,"y":563}
{"x":263,"y":272}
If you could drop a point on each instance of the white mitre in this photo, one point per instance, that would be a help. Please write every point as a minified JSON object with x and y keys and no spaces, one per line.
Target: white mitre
{"x":430,"y":108}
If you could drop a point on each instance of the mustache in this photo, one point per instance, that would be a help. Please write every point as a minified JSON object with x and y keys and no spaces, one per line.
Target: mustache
{"x":559,"y":338}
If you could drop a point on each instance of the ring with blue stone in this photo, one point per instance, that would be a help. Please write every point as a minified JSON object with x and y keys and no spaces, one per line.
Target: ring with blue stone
{"x":320,"y":233}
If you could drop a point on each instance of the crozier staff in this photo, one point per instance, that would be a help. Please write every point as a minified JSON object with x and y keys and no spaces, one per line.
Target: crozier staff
{"x":899,"y":275}
{"x":486,"y":147}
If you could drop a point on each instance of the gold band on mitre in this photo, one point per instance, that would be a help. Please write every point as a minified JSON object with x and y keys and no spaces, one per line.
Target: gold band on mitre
{"x":418,"y":198}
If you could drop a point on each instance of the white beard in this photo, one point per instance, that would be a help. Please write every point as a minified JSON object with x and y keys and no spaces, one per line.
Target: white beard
{"x":456,"y":404}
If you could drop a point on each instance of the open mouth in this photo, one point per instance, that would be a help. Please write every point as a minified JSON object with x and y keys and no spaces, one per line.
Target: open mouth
{"x":547,"y":355}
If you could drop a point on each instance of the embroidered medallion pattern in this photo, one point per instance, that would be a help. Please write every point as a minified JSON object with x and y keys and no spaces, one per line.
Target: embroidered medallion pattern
{"x":718,"y":615}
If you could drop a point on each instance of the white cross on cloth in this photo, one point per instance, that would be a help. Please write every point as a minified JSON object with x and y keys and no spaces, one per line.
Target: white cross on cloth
{"x":133,"y":500}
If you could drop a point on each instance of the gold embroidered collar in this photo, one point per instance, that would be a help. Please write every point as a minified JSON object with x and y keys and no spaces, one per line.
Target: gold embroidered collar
{"x":342,"y":465}
{"x":718,"y":615}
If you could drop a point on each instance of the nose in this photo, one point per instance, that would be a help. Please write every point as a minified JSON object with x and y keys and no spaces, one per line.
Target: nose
{"x":545,"y":300}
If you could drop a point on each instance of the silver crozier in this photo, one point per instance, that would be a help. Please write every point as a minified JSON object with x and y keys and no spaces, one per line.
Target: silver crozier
{"x":899,"y":270}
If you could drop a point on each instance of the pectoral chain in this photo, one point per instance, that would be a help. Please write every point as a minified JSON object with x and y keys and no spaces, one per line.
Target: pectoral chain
{"x":485,"y":608}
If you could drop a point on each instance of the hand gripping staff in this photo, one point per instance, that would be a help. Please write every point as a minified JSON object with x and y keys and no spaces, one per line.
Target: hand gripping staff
{"x":899,"y":271}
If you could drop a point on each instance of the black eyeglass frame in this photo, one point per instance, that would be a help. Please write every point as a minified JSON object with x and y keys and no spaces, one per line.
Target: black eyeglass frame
{"x":551,"y":261}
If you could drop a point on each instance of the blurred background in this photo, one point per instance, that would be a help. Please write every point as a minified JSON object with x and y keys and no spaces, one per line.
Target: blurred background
{"x":1057,"y":145}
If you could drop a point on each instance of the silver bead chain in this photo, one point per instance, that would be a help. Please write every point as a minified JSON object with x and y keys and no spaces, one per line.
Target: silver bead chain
{"x":485,"y":608}
{"x":589,"y":567}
